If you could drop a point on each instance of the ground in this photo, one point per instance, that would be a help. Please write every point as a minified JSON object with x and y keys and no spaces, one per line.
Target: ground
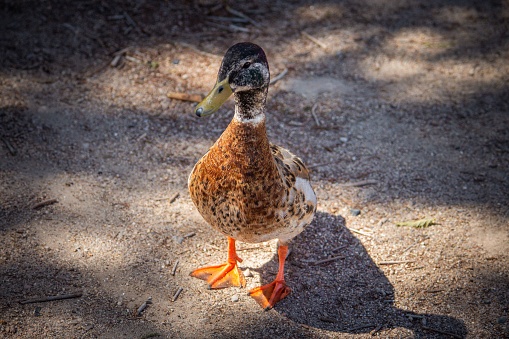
{"x":400,"y":109}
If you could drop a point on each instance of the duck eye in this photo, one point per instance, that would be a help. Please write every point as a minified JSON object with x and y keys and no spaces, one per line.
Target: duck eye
{"x":246,"y":65}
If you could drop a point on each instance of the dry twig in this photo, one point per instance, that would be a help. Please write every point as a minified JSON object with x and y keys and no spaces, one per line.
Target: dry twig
{"x":133,"y":59}
{"x":313,"y":113}
{"x":51,"y":298}
{"x":327,"y":319}
{"x":143,"y":306}
{"x":296,"y":123}
{"x":351,"y":329}
{"x":132,"y":22}
{"x":122,"y":51}
{"x":237,"y":28}
{"x":170,"y":199}
{"x":231,"y":27}
{"x":247,"y":249}
{"x":434,"y":291}
{"x":339,"y":248}
{"x":44,"y":204}
{"x":185,"y":96}
{"x":315,"y":40}
{"x":116,"y":60}
{"x":182,"y":252}
{"x":11,"y":149}
{"x":360,"y":232}
{"x":176,"y":295}
{"x":421,"y":223}
{"x":174,"y":269}
{"x":318,"y":262}
{"x":279,"y":76}
{"x":395,"y":262}
{"x":173,"y":198}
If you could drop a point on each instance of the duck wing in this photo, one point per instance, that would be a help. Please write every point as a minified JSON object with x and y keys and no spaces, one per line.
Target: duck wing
{"x":299,"y":204}
{"x":289,"y":165}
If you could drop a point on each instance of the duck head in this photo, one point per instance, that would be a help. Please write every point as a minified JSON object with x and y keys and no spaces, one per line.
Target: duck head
{"x":244,"y":72}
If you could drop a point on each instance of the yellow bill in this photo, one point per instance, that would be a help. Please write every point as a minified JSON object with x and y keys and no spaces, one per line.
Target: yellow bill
{"x":219,"y":94}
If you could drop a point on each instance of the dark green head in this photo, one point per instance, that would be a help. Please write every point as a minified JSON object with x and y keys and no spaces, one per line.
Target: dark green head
{"x":244,"y":68}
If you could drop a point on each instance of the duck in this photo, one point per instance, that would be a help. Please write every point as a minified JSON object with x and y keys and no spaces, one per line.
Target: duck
{"x":245,"y":187}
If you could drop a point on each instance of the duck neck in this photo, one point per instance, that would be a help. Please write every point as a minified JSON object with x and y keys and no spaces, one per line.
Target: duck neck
{"x":250,"y":105}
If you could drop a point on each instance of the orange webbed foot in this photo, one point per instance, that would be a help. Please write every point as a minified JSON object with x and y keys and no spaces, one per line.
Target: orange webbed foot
{"x":268,"y":295}
{"x":225,"y":275}
{"x":221,"y":276}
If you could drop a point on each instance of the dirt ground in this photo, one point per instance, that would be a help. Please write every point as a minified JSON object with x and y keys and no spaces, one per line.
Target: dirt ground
{"x":400,"y":109}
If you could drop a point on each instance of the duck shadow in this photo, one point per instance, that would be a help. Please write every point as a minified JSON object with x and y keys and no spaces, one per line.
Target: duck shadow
{"x":348,"y":294}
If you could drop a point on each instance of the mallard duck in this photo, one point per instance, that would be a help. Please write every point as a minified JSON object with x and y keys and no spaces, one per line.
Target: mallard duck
{"x":245,"y":187}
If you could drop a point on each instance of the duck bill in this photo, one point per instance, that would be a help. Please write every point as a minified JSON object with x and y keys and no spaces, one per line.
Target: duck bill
{"x":219,"y":94}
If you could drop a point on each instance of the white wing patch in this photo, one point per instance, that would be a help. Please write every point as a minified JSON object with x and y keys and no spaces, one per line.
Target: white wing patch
{"x":304,"y":186}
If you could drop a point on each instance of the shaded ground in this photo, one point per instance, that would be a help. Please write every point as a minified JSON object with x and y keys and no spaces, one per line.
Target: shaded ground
{"x":401,"y":113}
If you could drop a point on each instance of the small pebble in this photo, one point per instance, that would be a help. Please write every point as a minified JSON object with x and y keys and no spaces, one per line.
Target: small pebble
{"x":235,"y":298}
{"x":355,"y":212}
{"x":343,"y":139}
{"x":247,"y":273}
{"x":502,"y":320}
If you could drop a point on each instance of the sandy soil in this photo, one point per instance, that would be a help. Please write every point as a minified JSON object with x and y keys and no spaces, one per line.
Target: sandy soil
{"x":400,"y":110}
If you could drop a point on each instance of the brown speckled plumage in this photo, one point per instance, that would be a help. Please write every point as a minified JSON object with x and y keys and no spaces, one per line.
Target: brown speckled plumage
{"x":245,"y":187}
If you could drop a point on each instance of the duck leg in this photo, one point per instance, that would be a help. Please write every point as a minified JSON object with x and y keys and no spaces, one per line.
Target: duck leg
{"x":225,"y":275}
{"x":268,"y":295}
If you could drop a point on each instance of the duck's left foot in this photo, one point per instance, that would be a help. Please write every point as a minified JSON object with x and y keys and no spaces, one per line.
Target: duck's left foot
{"x":225,"y":275}
{"x":221,"y":276}
{"x":268,"y":295}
